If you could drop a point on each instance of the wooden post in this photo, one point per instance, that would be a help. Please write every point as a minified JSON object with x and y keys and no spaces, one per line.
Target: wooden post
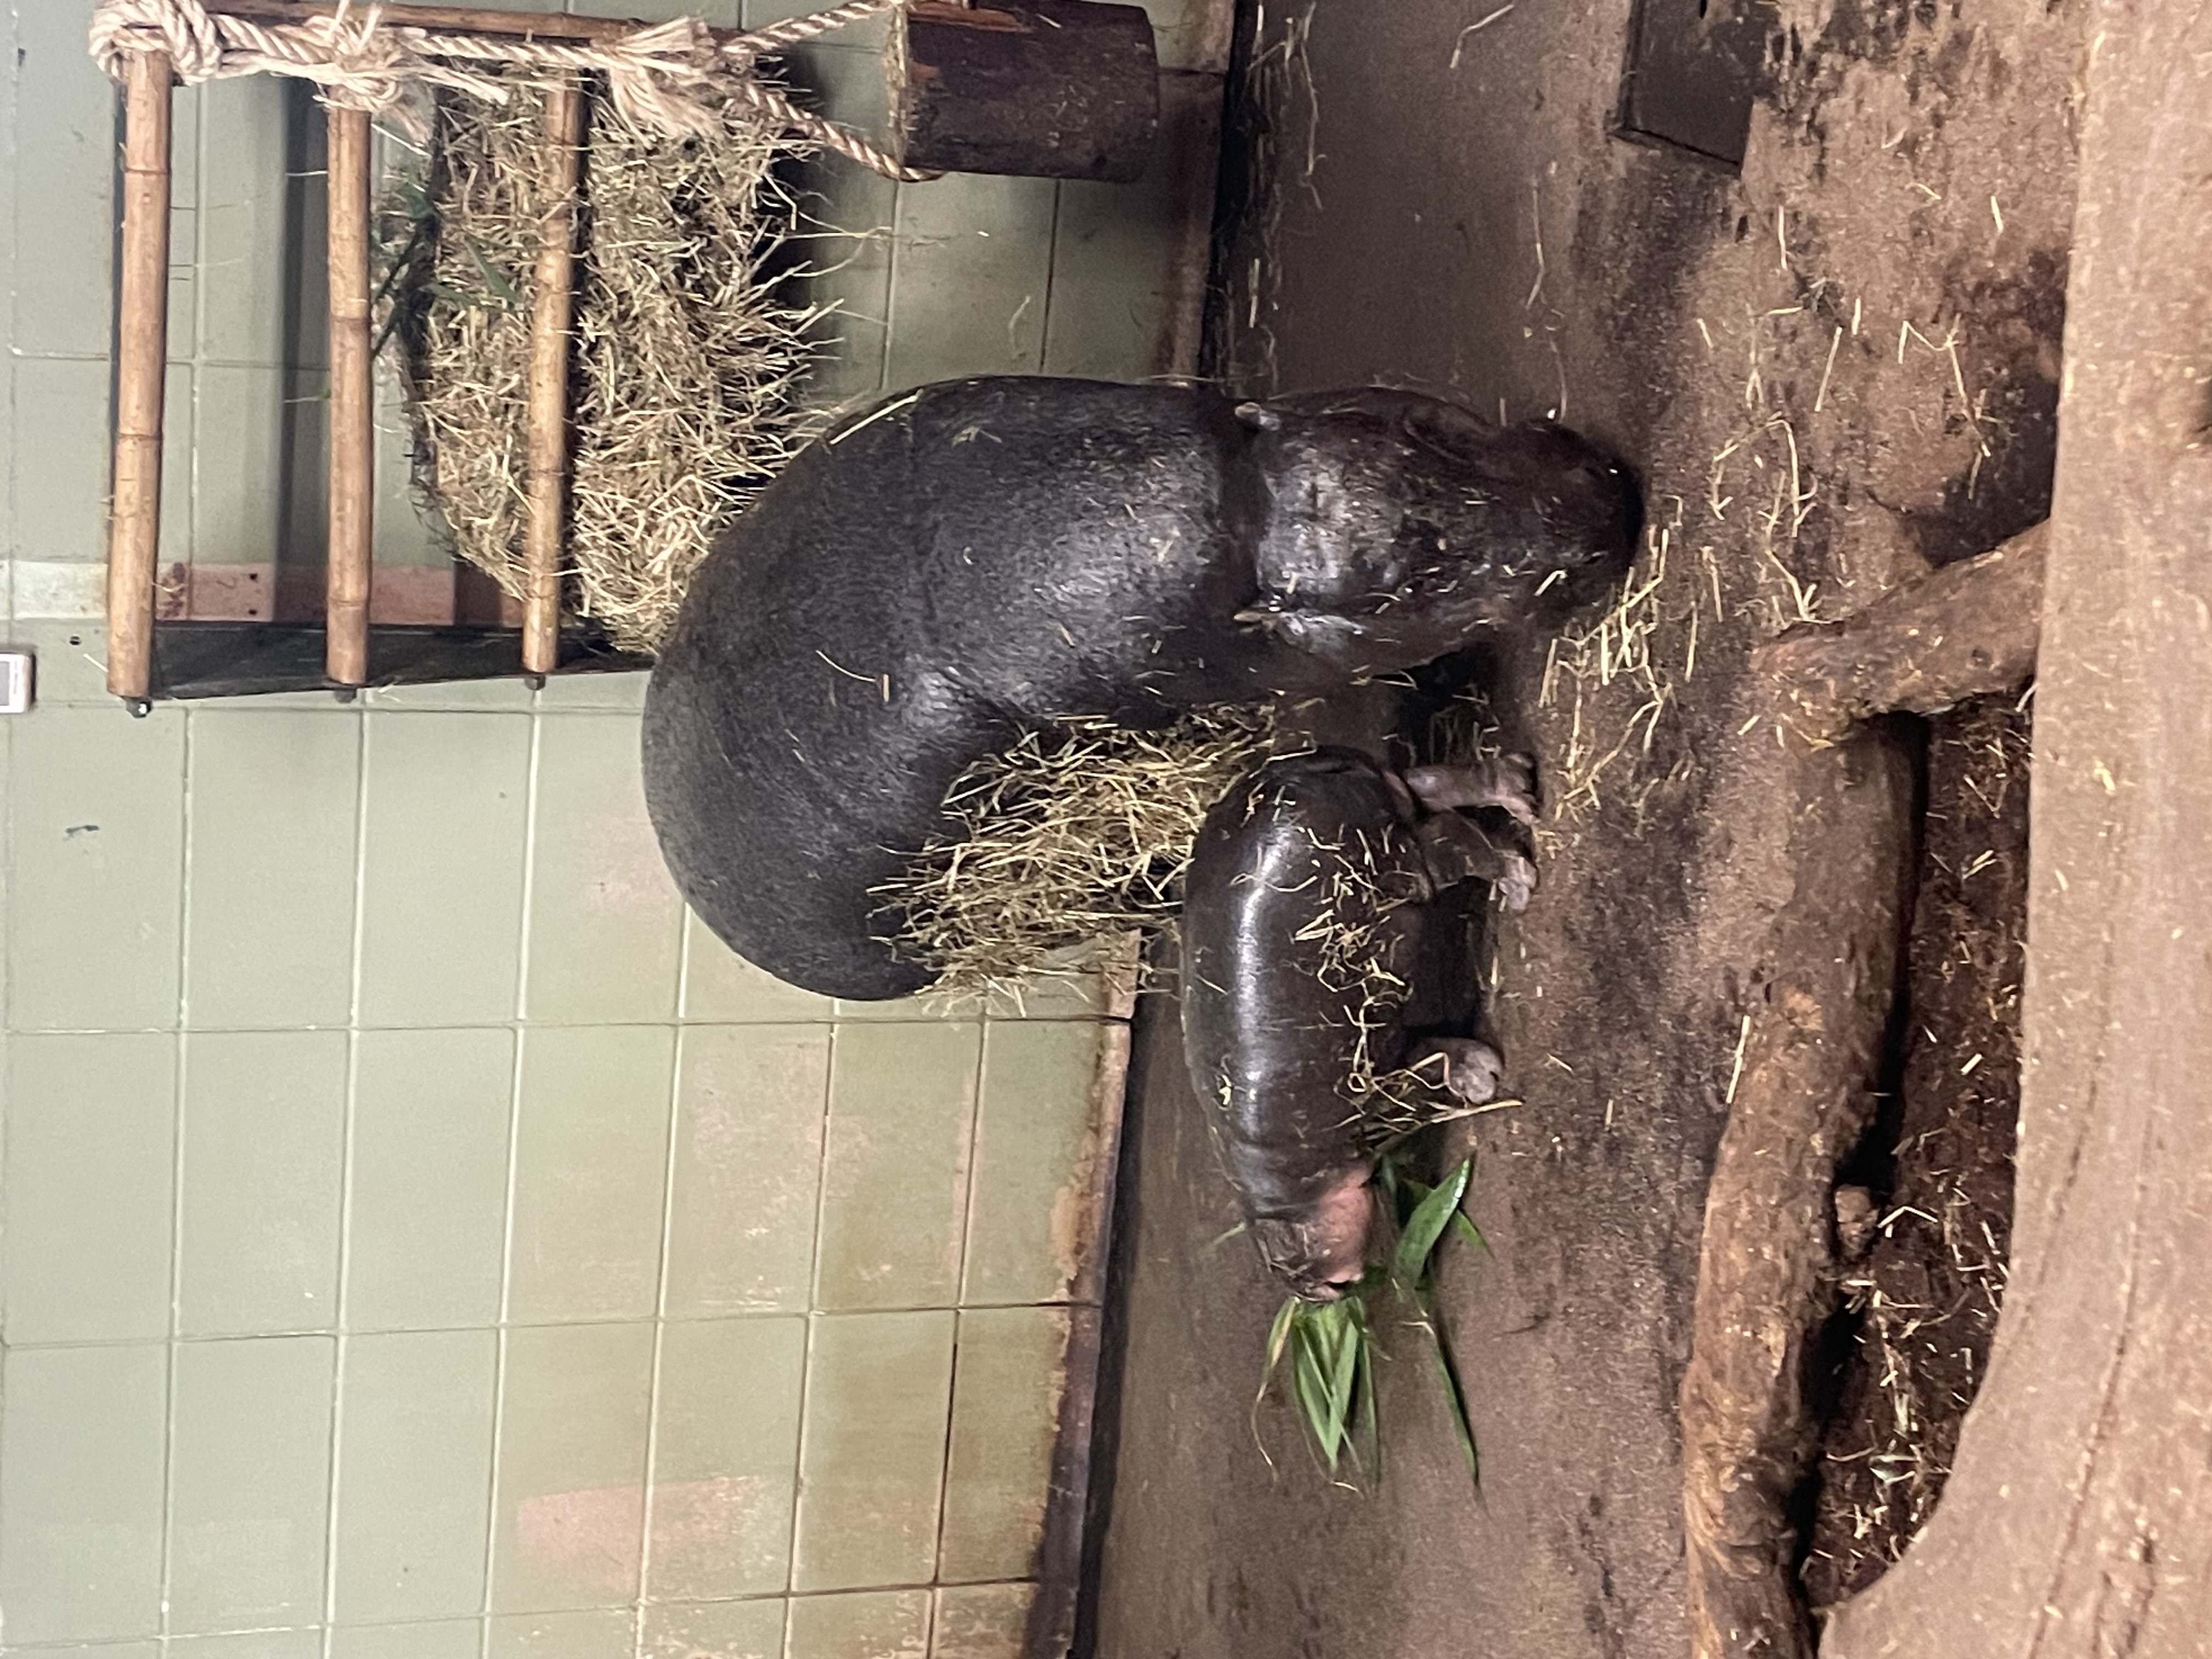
{"x":141,"y":354}
{"x":352,"y":461}
{"x":1044,"y":88}
{"x":548,"y":431}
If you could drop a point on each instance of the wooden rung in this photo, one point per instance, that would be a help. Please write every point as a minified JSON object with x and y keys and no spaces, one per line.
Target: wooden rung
{"x":352,"y":463}
{"x":548,"y":414}
{"x":141,"y":354}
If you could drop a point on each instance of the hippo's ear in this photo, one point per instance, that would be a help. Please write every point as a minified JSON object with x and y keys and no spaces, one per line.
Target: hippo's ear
{"x":1259,"y":417}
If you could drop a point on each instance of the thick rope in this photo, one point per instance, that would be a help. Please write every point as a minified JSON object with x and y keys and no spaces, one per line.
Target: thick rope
{"x":664,"y":78}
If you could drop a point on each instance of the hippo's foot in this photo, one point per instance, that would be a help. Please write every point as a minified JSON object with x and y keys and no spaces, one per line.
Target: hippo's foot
{"x":1455,"y":849}
{"x":1506,"y":780}
{"x":1516,"y":883}
{"x":1471,"y":1069}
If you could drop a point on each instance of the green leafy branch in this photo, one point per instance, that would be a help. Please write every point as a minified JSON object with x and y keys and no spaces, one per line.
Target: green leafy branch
{"x":1325,"y":1351}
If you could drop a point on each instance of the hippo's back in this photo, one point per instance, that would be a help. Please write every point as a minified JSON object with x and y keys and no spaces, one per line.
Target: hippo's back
{"x":1306,"y":855}
{"x":916,"y":587}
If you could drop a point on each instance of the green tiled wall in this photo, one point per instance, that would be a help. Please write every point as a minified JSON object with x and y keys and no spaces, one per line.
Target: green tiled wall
{"x":419,"y":1239}
{"x":342,"y":1302}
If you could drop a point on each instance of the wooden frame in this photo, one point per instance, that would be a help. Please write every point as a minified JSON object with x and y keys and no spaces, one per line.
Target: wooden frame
{"x":137,"y":667}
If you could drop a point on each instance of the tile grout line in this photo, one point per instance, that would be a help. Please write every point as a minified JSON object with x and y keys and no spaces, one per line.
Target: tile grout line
{"x":959,"y":1295}
{"x":661,"y":1296}
{"x":180,"y":1062}
{"x":515,"y":1057}
{"x":890,"y":286}
{"x":975,"y":1148}
{"x":762,"y":1315}
{"x":1051,"y":275}
{"x":341,"y":1345}
{"x":813,"y":1318}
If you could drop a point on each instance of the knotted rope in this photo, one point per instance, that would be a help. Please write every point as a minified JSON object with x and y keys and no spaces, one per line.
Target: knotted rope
{"x":664,"y":78}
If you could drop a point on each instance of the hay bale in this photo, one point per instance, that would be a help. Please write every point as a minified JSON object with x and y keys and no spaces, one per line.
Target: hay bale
{"x":685,"y":367}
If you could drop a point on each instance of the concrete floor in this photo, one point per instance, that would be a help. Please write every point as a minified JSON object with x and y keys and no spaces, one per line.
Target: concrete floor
{"x":1409,"y":255}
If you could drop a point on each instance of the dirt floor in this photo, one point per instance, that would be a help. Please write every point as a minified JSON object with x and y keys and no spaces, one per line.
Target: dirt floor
{"x":1831,"y":372}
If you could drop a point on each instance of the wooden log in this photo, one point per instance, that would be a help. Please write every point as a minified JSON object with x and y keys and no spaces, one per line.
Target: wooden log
{"x":141,"y":354}
{"x":1045,"y":88}
{"x":1811,"y":1056}
{"x":1767,"y":1279}
{"x":1968,"y":630}
{"x":352,"y":454}
{"x":547,"y":411}
{"x":2074,"y":1521}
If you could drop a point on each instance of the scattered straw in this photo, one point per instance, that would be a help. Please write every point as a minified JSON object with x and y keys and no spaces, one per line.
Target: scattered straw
{"x":1584,"y":662}
{"x":684,"y":369}
{"x":1459,"y":46}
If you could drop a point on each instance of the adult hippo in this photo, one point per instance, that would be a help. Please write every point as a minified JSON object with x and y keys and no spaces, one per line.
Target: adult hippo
{"x":977,"y":557}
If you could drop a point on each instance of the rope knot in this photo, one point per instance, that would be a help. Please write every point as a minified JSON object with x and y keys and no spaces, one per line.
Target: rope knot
{"x":362,"y":66}
{"x":663,"y":78}
{"x":182,"y":28}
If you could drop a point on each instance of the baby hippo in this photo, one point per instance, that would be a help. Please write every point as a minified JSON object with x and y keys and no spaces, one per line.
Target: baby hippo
{"x":1307,"y":852}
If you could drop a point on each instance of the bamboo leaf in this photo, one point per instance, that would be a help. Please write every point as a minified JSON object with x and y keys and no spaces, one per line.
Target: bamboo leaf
{"x":1343,"y":1374}
{"x":1456,"y":1397}
{"x":1364,"y":1383}
{"x":494,"y":278}
{"x":1418,"y":1241}
{"x":1312,"y":1382}
{"x":1277,"y":1335}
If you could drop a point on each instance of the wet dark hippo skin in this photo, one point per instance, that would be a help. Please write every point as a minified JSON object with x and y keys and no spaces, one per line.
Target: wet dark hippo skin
{"x":982,"y":556}
{"x":1267,"y":1035}
{"x":1303,"y":851}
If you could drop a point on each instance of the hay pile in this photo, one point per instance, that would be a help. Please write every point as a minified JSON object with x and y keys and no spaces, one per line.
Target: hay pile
{"x":1077,"y":832}
{"x":683,"y":382}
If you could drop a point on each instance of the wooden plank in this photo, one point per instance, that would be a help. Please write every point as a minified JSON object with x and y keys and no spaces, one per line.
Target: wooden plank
{"x":141,"y":354}
{"x":547,"y":411}
{"x":450,"y":19}
{"x":352,"y":455}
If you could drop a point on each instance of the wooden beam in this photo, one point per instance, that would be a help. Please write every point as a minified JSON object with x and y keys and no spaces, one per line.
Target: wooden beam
{"x":450,"y":19}
{"x":547,"y":411}
{"x":352,"y":458}
{"x":141,"y":355}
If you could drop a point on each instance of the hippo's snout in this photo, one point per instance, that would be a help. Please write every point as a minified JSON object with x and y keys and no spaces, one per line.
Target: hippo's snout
{"x":1322,"y":1252}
